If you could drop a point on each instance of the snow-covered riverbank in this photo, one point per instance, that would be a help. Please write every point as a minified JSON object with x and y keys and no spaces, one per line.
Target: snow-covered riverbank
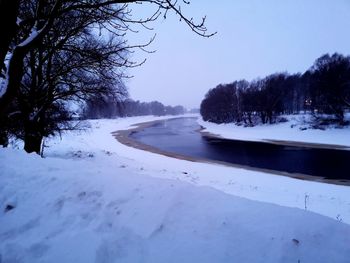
{"x":93,"y":199}
{"x":296,"y":129}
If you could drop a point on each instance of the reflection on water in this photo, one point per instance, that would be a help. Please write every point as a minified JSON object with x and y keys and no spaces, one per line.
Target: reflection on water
{"x":181,"y":136}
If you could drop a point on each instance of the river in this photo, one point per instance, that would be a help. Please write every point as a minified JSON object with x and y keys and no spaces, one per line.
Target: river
{"x":181,"y":136}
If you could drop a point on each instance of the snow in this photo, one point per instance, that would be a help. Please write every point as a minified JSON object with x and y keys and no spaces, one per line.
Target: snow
{"x":4,"y":81}
{"x":3,"y":86}
{"x":32,"y":36}
{"x":93,"y":199}
{"x":281,"y":131}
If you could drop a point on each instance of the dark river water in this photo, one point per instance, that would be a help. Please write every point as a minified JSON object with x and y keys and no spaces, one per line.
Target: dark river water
{"x":181,"y":136}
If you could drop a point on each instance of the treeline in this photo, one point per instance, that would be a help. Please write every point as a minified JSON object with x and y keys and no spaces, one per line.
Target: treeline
{"x":110,"y":108}
{"x":137,"y":108}
{"x":323,"y":90}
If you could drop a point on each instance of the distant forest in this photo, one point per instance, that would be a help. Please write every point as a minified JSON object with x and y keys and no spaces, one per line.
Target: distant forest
{"x":323,"y":91}
{"x":111,"y":107}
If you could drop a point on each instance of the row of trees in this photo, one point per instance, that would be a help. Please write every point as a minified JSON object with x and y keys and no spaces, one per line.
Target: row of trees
{"x":110,"y":108}
{"x":57,"y":52}
{"x":323,"y":89}
{"x":137,"y":108}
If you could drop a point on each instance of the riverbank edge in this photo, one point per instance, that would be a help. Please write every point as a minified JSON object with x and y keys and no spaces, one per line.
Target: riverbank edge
{"x":281,"y":142}
{"x":123,"y":137}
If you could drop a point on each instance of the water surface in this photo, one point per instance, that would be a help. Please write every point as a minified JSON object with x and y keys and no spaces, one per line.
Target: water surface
{"x":182,"y":136}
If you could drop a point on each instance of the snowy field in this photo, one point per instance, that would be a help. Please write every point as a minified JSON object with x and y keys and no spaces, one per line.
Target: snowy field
{"x":93,"y":199}
{"x":282,"y":131}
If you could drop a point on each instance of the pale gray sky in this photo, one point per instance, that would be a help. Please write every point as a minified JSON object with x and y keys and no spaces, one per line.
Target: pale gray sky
{"x":255,"y":38}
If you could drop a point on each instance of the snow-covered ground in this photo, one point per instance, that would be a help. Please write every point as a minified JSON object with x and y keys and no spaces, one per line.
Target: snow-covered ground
{"x":295,"y":130}
{"x":94,"y":200}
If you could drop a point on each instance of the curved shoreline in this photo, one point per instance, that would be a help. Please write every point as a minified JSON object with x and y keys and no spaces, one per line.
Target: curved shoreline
{"x":281,"y":142}
{"x":123,"y":136}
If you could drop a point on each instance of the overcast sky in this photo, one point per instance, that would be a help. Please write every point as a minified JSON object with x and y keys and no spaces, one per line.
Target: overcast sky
{"x":255,"y":38}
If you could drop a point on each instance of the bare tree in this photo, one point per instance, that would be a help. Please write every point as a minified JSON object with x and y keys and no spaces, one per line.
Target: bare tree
{"x":8,"y":27}
{"x":330,"y":85}
{"x":54,"y":55}
{"x":112,"y":15}
{"x":71,"y":64}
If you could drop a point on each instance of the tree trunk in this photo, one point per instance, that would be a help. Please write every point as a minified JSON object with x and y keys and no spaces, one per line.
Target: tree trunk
{"x":263,"y":117}
{"x":4,"y":132}
{"x":15,"y":71}
{"x":32,"y":137}
{"x":32,"y":143}
{"x":3,"y":138}
{"x":269,"y":117}
{"x":8,"y":26}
